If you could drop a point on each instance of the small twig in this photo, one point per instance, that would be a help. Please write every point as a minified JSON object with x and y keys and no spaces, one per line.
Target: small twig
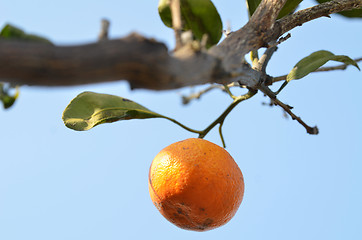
{"x":228,"y":30}
{"x":103,"y":35}
{"x":287,"y":109}
{"x":261,"y":63}
{"x":321,"y":69}
{"x":227,"y":90}
{"x":279,"y":78}
{"x":189,"y":98}
{"x":279,"y":41}
{"x":264,"y":59}
{"x":283,"y":39}
{"x":176,"y":21}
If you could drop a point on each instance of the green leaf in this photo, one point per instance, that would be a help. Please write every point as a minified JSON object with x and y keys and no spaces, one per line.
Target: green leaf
{"x":354,"y":13}
{"x":12,"y":32}
{"x":8,"y":101}
{"x":90,"y":109}
{"x":315,"y":61}
{"x":199,"y":16}
{"x":288,"y":8}
{"x":6,"y":98}
{"x":252,"y":6}
{"x":164,"y":11}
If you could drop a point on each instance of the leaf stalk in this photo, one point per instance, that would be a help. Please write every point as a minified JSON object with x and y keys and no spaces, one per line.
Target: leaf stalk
{"x":220,"y":120}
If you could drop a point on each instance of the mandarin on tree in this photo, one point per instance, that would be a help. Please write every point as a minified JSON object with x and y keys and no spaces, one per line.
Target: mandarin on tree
{"x":196,"y":184}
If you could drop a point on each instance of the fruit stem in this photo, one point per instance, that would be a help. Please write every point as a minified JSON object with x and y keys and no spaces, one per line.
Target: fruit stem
{"x":221,"y":135}
{"x":221,"y":118}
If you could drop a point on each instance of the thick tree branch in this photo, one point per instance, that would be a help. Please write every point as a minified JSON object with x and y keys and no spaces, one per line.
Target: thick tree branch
{"x":145,"y":63}
{"x":322,"y":10}
{"x":257,"y":33}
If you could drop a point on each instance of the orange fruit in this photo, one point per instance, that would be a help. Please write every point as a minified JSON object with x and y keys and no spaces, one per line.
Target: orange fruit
{"x":196,"y":184}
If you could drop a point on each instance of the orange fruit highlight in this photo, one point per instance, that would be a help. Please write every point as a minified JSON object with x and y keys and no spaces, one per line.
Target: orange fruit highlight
{"x":196,"y":184}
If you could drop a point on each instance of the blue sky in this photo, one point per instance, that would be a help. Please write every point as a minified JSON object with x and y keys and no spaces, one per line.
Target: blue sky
{"x":56,"y":183}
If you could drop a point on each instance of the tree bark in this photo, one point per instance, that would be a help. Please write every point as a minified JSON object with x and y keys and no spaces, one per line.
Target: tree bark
{"x":143,"y":62}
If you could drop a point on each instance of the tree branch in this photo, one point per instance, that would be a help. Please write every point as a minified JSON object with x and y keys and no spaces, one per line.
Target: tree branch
{"x":322,"y":10}
{"x":146,"y":63}
{"x":287,"y":109}
{"x":257,"y":33}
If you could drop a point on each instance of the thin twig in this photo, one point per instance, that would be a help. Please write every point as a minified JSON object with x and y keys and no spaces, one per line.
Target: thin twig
{"x":287,"y":109}
{"x":321,"y":69}
{"x":265,"y":58}
{"x":197,"y":95}
{"x":189,"y":98}
{"x":279,"y":78}
{"x":176,"y":21}
{"x":283,"y":39}
{"x":103,"y":35}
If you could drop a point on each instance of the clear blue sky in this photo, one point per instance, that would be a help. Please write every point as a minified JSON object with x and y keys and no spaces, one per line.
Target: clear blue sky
{"x":58,"y":184}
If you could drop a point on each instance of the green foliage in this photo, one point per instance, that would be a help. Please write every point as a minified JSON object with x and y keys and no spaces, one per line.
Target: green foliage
{"x":354,"y":13}
{"x":6,"y":97}
{"x":12,"y":32}
{"x":199,"y":16}
{"x":164,"y":11}
{"x":90,"y":109}
{"x":252,"y":6}
{"x":313,"y":62}
{"x":288,"y":8}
